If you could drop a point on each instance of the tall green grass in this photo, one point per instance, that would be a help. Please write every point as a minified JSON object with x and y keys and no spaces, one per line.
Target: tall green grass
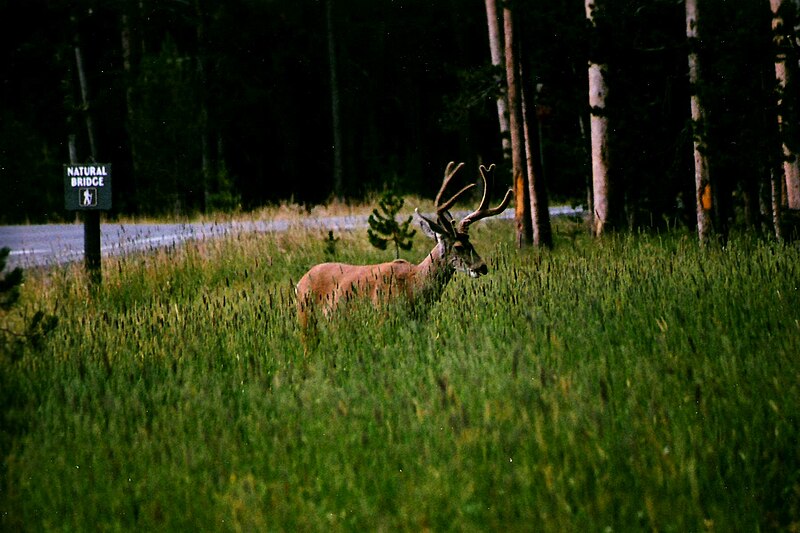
{"x":631,"y":383}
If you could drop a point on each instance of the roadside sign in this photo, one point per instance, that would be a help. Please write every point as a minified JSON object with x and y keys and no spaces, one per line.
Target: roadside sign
{"x":87,"y":187}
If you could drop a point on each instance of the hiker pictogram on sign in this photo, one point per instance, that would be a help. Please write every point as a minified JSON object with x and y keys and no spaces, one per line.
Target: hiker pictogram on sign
{"x":88,"y":197}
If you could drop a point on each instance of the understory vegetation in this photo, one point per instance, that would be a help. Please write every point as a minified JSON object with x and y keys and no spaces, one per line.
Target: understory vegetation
{"x":634,"y":382}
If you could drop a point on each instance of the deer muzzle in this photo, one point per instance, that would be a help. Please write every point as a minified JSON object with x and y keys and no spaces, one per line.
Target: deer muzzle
{"x":479,"y":270}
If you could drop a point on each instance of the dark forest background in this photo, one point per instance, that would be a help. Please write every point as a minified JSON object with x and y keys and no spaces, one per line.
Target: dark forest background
{"x":203,"y":105}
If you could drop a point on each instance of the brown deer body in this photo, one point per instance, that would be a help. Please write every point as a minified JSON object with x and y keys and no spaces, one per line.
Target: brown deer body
{"x":328,"y":285}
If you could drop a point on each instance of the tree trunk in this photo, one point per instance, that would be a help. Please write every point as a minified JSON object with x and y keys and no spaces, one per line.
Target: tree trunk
{"x":336,"y":123}
{"x":775,"y":196}
{"x":127,"y":66}
{"x":782,"y":37}
{"x":206,"y":172}
{"x":85,"y":102}
{"x":496,"y":51}
{"x":586,"y":144}
{"x":537,"y":188}
{"x":598,"y":92}
{"x":522,"y":214}
{"x":703,"y":193}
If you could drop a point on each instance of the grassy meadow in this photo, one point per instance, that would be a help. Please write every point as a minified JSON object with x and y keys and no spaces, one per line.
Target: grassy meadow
{"x":634,"y":383}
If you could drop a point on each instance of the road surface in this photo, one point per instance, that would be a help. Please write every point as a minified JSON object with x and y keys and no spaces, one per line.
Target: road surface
{"x":53,"y":244}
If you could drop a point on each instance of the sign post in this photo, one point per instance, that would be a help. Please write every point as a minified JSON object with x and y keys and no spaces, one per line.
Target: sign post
{"x":88,"y":188}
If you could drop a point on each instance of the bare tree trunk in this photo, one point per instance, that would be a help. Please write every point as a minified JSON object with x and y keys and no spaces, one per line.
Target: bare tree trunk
{"x":598,"y":92}
{"x":127,"y":66}
{"x":537,"y":188}
{"x":522,"y":214}
{"x":587,"y":152}
{"x":496,"y":50}
{"x":206,"y":170}
{"x":783,"y":74}
{"x":775,"y":194}
{"x":336,"y":122}
{"x":703,"y":195}
{"x":85,"y":102}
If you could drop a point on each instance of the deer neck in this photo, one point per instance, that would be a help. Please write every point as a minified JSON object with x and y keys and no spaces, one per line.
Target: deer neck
{"x":433,"y":274}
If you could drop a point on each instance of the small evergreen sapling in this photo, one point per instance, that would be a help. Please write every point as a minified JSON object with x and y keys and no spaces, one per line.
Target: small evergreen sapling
{"x":330,"y":245}
{"x":33,"y":332}
{"x":384,"y":227}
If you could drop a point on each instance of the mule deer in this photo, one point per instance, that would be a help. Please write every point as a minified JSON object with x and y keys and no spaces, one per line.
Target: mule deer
{"x":327,"y":285}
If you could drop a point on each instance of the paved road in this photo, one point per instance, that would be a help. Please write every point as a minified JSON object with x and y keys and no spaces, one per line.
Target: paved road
{"x":42,"y":245}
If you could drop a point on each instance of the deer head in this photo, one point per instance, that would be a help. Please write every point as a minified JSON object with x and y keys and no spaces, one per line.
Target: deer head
{"x":453,"y":238}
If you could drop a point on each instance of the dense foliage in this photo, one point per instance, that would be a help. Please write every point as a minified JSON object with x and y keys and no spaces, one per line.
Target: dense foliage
{"x":626,"y":384}
{"x":205,"y":105}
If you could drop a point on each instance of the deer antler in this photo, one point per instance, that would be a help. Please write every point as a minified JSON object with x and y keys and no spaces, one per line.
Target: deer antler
{"x":444,"y":221}
{"x":449,"y":172}
{"x":482,"y":211}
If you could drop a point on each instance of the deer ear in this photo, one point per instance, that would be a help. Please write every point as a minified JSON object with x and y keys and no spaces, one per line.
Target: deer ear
{"x":428,"y":226}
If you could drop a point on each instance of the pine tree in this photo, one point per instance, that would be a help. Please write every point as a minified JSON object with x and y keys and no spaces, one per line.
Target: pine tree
{"x":384,"y":227}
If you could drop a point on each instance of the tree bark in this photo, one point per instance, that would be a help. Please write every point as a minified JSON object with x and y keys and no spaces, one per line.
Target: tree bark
{"x":336,"y":122}
{"x":127,"y":66}
{"x":496,"y":51}
{"x":782,"y":35}
{"x":84,"y":86}
{"x":776,"y":177}
{"x":206,"y":172}
{"x":598,"y":126}
{"x":537,"y":187}
{"x":586,"y":144}
{"x":703,"y":192}
{"x":522,"y":214}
